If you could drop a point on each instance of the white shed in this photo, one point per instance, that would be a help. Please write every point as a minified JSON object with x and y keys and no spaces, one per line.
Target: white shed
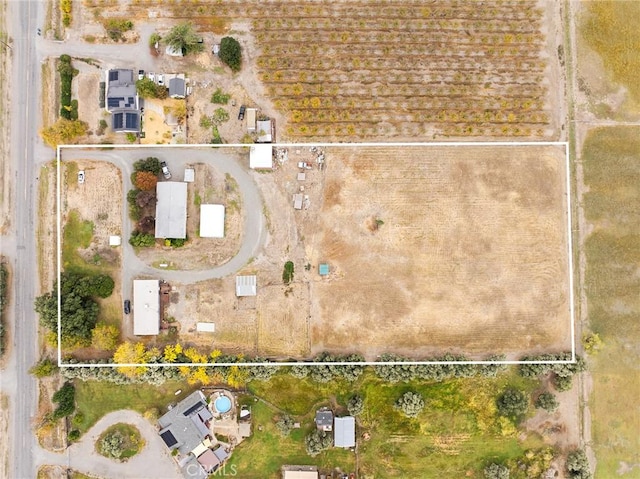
{"x":261,"y":157}
{"x":212,"y":221}
{"x":246,"y":285}
{"x":146,"y":307}
{"x":206,"y":327}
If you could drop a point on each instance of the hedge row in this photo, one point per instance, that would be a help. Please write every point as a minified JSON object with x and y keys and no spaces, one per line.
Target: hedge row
{"x":68,"y":107}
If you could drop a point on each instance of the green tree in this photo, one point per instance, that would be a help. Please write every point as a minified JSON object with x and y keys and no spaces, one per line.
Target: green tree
{"x":496,"y":471}
{"x":546,"y":401}
{"x":287,"y":273}
{"x":45,"y":367}
{"x":231,"y":53}
{"x":512,"y":403}
{"x":578,"y":465}
{"x":183,"y":37}
{"x":220,"y":97}
{"x":65,"y":399}
{"x":410,"y":403}
{"x":317,"y":441}
{"x":147,"y":88}
{"x":63,"y":131}
{"x":285,"y":425}
{"x":355,"y":405}
{"x":154,"y":38}
{"x":150,"y":163}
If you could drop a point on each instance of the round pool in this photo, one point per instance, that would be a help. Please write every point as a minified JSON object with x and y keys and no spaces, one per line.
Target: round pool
{"x":222,"y":404}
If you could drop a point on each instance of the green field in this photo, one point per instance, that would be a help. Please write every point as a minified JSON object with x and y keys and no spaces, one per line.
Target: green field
{"x":611,"y":159}
{"x":94,"y":399}
{"x":456,"y":435}
{"x":77,"y":234}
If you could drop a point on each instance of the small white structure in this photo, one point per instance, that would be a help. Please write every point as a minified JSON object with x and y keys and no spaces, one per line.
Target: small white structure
{"x":115,"y":240}
{"x":251,"y":119}
{"x":264,"y":131}
{"x":246,"y":285}
{"x":261,"y":157}
{"x":297,"y":201}
{"x":146,"y":307}
{"x":212,"y":221}
{"x":206,"y":327}
{"x":189,"y":175}
{"x":173,"y":52}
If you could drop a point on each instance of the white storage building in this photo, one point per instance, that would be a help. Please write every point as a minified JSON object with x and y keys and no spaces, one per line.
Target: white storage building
{"x":261,"y":157}
{"x":212,"y":221}
{"x":171,"y":210}
{"x":146,"y":307}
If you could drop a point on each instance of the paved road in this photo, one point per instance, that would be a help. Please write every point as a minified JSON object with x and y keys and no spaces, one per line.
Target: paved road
{"x":20,"y":246}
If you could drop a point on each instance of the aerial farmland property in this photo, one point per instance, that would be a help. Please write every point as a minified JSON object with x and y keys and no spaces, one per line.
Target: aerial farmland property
{"x":411,"y":250}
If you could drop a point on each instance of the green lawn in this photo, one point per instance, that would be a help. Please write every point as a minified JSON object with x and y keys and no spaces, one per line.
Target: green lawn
{"x":95,"y":399}
{"x":77,"y":234}
{"x":611,"y":159}
{"x":455,"y":436}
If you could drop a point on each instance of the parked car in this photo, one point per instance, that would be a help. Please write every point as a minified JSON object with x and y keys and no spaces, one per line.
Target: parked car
{"x":160,"y":79}
{"x":80,"y":177}
{"x":304,"y":165}
{"x":165,"y":170}
{"x":140,"y":74}
{"x":241,"y":112}
{"x":151,"y":76}
{"x":127,"y":306}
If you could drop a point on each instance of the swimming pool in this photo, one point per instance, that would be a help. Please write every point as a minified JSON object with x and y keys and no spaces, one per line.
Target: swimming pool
{"x":222,"y":404}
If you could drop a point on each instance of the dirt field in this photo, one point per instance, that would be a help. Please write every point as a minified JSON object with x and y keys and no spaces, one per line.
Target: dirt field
{"x":209,"y":187}
{"x":438,"y":248}
{"x":155,"y":126}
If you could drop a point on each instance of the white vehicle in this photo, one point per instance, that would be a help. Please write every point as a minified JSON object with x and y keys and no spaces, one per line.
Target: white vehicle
{"x":165,"y":170}
{"x":80,"y":177}
{"x":304,"y":165}
{"x":160,"y":79}
{"x":151,"y":76}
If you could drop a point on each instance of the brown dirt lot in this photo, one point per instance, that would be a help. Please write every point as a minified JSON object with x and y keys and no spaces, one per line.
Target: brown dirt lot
{"x":472,"y":253}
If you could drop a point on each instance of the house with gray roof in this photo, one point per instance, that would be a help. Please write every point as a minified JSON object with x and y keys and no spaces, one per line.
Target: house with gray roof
{"x":122,"y":100}
{"x":185,"y":426}
{"x":177,"y":88}
{"x":324,"y":419}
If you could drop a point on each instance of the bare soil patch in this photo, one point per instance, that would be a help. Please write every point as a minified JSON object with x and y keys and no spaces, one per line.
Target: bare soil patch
{"x":471,"y":253}
{"x":157,"y":125}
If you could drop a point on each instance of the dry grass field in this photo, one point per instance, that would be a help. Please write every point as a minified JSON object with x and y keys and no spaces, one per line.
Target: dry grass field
{"x":375,"y":69}
{"x":442,"y":247}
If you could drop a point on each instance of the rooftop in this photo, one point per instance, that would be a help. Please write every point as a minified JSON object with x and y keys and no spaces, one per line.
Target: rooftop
{"x":121,"y":90}
{"x":146,"y":307}
{"x":177,"y":88}
{"x":212,"y":221}
{"x":261,"y":156}
{"x":344,"y":432}
{"x":171,"y":210}
{"x":246,"y":285}
{"x":184,"y":426}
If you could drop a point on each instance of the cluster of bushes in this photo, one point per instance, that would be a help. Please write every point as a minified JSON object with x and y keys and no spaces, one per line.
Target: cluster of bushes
{"x":220,"y":97}
{"x":437,"y":372}
{"x":287,"y":272}
{"x":63,"y":131}
{"x":231,"y":53}
{"x":65,"y":9}
{"x":175,"y":242}
{"x":3,"y":297}
{"x":68,"y":108}
{"x":318,"y":441}
{"x":561,"y":373}
{"x":116,"y":27}
{"x":142,"y":201}
{"x":79,"y":311}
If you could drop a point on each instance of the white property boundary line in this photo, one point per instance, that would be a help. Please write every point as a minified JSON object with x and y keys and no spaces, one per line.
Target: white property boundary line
{"x":320,"y":144}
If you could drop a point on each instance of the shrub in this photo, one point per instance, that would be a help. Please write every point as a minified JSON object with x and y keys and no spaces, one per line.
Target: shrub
{"x":65,"y":9}
{"x":73,"y":435}
{"x":220,"y":116}
{"x":145,"y":180}
{"x":287,"y":273}
{"x":220,"y":97}
{"x":578,"y":465}
{"x":410,"y":403}
{"x":115,"y":27}
{"x":154,"y":38}
{"x":546,"y":401}
{"x":63,"y":131}
{"x":45,"y":367}
{"x":131,"y":137}
{"x":150,"y":163}
{"x":183,"y":37}
{"x":512,"y":403}
{"x":147,"y":88}
{"x":299,"y":371}
{"x":105,"y":337}
{"x":142,"y":240}
{"x":317,"y":441}
{"x":67,"y":72}
{"x":496,"y":471}
{"x":355,"y":406}
{"x":285,"y":425}
{"x":111,"y":445}
{"x":231,"y":53}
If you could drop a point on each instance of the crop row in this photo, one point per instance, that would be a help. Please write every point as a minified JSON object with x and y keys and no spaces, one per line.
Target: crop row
{"x":410,"y":130}
{"x":448,"y":27}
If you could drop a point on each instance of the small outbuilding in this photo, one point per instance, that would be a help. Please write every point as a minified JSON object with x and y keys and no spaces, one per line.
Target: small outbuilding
{"x":324,"y":420}
{"x":323,"y":269}
{"x":189,"y":175}
{"x":115,"y":240}
{"x":246,"y":285}
{"x":251,"y":119}
{"x":206,"y":327}
{"x":261,"y":157}
{"x":297,"y":201}
{"x":177,"y":88}
{"x":146,"y":307}
{"x":212,"y":221}
{"x":344,"y":432}
{"x":264,"y":131}
{"x":299,"y":472}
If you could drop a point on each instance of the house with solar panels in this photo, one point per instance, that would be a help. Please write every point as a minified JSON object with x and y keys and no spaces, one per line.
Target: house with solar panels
{"x":122,"y":101}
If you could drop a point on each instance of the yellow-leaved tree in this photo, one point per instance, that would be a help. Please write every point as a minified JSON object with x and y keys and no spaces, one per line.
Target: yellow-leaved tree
{"x":130,"y":353}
